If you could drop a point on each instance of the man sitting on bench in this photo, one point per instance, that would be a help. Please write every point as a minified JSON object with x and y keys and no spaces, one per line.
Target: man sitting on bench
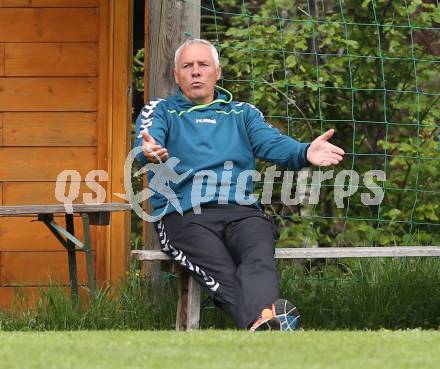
{"x":218,"y":232}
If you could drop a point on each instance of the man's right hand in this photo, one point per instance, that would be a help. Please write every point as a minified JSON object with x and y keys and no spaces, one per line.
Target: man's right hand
{"x":151,"y":150}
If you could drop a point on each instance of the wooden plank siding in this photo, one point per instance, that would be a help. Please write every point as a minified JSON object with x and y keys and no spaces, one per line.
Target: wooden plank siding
{"x":37,"y":193}
{"x":48,"y":94}
{"x":1,"y":129}
{"x":44,"y":163}
{"x":34,"y":235}
{"x":49,"y":129}
{"x":48,"y":3}
{"x":23,"y":268}
{"x":65,"y":69}
{"x":48,"y":24}
{"x":2,"y":59}
{"x":51,"y":59}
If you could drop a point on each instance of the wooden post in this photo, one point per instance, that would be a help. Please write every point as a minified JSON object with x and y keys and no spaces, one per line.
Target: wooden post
{"x":167,"y":24}
{"x":170,"y":23}
{"x":188,"y":306}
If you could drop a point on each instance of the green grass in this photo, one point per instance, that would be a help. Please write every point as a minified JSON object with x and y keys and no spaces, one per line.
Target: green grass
{"x":130,"y":306}
{"x":366,"y":294}
{"x":220,"y":349}
{"x":346,"y":294}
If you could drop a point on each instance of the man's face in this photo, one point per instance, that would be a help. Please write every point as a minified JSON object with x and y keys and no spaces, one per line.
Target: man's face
{"x":196,"y":74}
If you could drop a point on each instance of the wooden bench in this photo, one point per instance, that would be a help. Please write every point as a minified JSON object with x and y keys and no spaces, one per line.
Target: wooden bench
{"x":188,"y":307}
{"x":91,"y":214}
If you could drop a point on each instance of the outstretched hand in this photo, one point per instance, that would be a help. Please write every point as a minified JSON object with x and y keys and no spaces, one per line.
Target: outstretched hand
{"x":323,"y":153}
{"x":152,"y":151}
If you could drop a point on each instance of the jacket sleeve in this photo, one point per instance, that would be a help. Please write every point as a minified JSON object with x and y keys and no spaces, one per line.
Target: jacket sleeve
{"x":269,"y":144}
{"x":151,"y":119}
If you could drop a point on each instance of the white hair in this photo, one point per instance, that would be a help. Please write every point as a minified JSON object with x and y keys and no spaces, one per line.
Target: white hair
{"x":194,"y":41}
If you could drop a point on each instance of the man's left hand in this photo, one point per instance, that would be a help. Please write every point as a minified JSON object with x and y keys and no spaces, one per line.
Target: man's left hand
{"x":323,"y":153}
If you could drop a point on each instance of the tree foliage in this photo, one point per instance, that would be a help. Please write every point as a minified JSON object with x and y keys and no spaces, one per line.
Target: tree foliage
{"x":369,"y":69}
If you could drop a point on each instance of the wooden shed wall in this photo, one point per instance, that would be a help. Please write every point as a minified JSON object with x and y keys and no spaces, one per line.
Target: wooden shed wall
{"x":64,"y":104}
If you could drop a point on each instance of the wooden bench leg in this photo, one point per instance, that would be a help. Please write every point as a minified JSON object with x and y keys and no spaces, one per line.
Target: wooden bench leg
{"x":188,"y":306}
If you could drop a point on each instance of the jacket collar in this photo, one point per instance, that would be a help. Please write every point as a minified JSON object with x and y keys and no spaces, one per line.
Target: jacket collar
{"x":221,"y":96}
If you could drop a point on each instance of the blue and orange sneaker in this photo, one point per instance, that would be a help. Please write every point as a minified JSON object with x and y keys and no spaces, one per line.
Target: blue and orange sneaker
{"x":282,"y":316}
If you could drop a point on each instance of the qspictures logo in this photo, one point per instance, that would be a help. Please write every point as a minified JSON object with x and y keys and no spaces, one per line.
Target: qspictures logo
{"x":205,"y":183}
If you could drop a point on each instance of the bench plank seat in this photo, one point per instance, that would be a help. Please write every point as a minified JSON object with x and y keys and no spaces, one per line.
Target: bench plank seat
{"x":53,"y":209}
{"x":322,"y":252}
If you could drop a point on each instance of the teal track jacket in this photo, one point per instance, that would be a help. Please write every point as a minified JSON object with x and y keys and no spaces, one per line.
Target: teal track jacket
{"x":213,"y":144}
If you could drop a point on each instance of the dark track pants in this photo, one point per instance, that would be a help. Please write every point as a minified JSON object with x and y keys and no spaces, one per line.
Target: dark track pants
{"x":229,"y":249}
